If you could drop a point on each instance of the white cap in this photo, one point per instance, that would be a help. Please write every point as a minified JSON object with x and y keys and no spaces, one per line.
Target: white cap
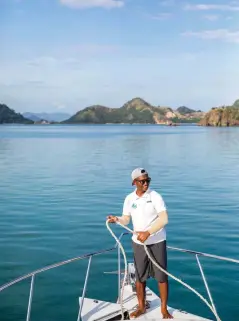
{"x":137,"y":172}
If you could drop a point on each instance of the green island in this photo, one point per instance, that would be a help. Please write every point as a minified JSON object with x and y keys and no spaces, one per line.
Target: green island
{"x":135,"y":111}
{"x":9,"y":116}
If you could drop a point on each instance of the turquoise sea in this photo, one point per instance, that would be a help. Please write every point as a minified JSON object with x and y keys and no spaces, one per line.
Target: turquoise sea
{"x":58,"y":184}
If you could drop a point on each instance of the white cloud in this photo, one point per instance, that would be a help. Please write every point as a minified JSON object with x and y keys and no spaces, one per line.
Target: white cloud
{"x":217,"y":34}
{"x":75,"y":82}
{"x":161,"y":16}
{"x":47,"y":61}
{"x":95,"y":48}
{"x":206,"y":7}
{"x":211,"y":17}
{"x":81,"y":4}
{"x":58,"y":105}
{"x":167,"y":3}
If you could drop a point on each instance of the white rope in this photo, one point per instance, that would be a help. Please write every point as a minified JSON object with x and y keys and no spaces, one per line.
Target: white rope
{"x":159,"y":267}
{"x":126,"y":268}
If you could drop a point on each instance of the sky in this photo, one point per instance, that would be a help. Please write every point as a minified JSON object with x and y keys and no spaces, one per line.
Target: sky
{"x":65,"y":55}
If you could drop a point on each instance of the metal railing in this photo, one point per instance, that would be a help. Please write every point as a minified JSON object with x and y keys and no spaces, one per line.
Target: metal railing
{"x":90,"y":256}
{"x":53,"y":266}
{"x":197,"y":254}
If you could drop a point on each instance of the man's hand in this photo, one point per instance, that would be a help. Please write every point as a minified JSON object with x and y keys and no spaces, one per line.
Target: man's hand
{"x":112,"y":219}
{"x":143,"y":236}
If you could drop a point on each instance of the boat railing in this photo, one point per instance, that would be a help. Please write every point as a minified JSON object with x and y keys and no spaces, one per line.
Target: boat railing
{"x":89,"y":256}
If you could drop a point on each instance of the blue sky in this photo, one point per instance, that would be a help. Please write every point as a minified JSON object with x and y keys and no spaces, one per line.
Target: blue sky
{"x":64,"y":55}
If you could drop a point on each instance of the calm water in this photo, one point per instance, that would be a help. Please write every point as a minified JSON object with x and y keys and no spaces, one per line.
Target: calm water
{"x":58,"y":183}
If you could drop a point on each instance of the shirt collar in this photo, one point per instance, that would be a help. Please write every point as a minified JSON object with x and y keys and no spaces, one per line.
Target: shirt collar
{"x":145,"y":195}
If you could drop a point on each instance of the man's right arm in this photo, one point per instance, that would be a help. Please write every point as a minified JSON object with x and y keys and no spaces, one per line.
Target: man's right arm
{"x":125,"y":218}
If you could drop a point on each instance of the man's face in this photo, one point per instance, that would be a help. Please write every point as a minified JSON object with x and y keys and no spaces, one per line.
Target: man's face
{"x":142,"y":182}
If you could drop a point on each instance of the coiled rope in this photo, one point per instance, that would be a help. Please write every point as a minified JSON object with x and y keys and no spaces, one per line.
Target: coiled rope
{"x":158,"y":266}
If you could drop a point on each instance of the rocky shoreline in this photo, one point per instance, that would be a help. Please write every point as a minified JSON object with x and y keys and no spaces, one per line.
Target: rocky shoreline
{"x":224,"y":116}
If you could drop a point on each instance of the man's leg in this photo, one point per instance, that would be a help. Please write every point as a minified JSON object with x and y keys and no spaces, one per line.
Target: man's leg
{"x":141,"y":264}
{"x":159,"y":252}
{"x":163,"y":289}
{"x":140,"y":290}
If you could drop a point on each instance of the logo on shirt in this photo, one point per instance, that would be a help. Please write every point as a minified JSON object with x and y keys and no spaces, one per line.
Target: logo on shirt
{"x":134,"y":205}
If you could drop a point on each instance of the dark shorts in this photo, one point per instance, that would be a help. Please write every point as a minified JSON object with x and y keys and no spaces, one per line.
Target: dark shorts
{"x":144,"y":268}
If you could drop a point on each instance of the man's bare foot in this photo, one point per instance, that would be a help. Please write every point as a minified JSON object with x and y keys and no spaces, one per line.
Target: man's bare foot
{"x":147,"y":305}
{"x":137,"y":313}
{"x":166,"y":314}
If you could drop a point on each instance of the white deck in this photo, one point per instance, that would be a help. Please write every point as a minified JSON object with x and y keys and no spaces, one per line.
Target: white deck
{"x":94,"y":310}
{"x":154,"y":312}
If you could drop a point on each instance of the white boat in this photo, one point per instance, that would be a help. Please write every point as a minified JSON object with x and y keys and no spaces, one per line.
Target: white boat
{"x":91,"y":309}
{"x":95,"y":310}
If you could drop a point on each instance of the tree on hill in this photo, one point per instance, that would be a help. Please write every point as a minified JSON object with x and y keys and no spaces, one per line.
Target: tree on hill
{"x":9,"y":116}
{"x":185,"y":110}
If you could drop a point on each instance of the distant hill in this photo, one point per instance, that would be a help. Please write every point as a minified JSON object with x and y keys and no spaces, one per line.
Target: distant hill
{"x":31,"y":116}
{"x":51,"y":117}
{"x":136,"y":110}
{"x":185,"y":110}
{"x":9,"y":116}
{"x":222,"y":116}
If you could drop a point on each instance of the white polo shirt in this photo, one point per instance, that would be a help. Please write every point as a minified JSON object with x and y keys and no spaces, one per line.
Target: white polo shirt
{"x":144,"y":211}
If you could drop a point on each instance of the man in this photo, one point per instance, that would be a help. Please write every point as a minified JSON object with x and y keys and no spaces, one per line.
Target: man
{"x":149,"y":217}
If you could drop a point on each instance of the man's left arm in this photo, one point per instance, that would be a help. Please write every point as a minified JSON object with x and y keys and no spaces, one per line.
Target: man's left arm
{"x":159,"y":223}
{"x":161,"y":210}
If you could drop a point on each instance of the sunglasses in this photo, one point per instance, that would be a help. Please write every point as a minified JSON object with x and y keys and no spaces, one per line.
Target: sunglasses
{"x":143,"y":181}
